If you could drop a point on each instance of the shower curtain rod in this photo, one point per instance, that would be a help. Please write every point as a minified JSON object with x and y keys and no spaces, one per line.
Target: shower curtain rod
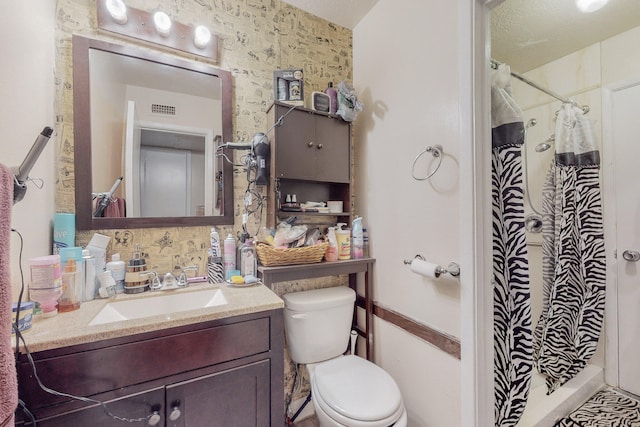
{"x":585,"y":108}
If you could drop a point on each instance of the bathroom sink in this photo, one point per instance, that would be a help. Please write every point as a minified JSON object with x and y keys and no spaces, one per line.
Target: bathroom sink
{"x":158,"y":305}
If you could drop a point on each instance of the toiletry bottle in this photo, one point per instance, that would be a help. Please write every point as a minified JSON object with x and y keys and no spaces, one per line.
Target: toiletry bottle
{"x":358,"y":241}
{"x":229,"y":254}
{"x":344,"y":241}
{"x":118,"y":271}
{"x":215,"y":242}
{"x":64,"y":231}
{"x":248,"y":259}
{"x":90,"y":278}
{"x":72,"y":286}
{"x":333,"y":98}
{"x":365,"y":243}
{"x":332,"y":250}
{"x":134,"y":282}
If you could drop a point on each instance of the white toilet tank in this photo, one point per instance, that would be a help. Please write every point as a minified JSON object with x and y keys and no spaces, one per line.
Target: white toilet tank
{"x":318,"y":323}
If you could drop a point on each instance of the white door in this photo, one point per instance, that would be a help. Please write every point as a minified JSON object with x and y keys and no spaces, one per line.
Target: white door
{"x":164,"y":182}
{"x":626,"y":155}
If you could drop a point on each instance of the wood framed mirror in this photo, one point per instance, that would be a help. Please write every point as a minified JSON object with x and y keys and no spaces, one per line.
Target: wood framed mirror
{"x":149,"y":118}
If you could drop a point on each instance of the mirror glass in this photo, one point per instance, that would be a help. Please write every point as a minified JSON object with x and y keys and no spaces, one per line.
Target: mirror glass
{"x":147,"y":126}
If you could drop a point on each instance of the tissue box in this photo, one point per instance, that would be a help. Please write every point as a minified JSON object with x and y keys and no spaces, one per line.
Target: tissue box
{"x":289,"y":86}
{"x":26,"y":316}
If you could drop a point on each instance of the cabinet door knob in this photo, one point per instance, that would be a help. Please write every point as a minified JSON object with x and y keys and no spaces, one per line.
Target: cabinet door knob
{"x":319,"y":146}
{"x":175,"y":413}
{"x":310,"y":144}
{"x":154,"y":419}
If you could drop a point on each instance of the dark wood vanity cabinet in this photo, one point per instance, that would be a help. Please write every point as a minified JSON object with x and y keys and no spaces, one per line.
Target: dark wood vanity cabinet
{"x":310,"y":157}
{"x":227,"y":372}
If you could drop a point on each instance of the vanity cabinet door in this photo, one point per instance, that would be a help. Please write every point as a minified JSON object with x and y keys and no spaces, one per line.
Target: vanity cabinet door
{"x":134,"y":406}
{"x":237,"y":397}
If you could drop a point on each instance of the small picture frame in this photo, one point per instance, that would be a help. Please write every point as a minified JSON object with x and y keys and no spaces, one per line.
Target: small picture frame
{"x":288,"y":86}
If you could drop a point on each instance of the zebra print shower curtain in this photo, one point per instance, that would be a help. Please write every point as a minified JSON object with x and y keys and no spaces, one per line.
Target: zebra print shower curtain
{"x":567,"y":333}
{"x":511,"y":301}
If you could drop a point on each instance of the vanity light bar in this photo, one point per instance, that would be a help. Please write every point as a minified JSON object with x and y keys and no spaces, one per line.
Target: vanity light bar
{"x":140,"y":25}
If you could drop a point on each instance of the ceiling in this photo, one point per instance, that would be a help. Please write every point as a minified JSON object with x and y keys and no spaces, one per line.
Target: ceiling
{"x":524,"y":33}
{"x":529,"y":33}
{"x":346,"y":13}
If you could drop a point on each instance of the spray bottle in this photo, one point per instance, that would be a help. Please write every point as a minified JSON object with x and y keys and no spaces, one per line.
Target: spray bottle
{"x":332,"y":251}
{"x":229,"y":256}
{"x":358,"y":239}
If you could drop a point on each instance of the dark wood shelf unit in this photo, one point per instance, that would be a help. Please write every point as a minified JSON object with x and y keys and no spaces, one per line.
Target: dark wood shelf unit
{"x":310,"y":157}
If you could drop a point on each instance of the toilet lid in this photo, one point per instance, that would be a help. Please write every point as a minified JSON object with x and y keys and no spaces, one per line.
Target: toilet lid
{"x":357,"y":389}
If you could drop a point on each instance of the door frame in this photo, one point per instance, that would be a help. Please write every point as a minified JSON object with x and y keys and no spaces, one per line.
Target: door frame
{"x":477,"y":384}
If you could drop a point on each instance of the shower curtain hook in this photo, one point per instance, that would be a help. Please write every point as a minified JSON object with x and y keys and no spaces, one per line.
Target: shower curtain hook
{"x":436,"y":151}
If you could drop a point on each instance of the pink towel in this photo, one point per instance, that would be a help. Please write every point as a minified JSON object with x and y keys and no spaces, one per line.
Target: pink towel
{"x":8,"y":380}
{"x":116,"y":208}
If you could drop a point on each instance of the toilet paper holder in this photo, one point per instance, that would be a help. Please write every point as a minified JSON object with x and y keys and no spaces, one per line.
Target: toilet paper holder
{"x":453,"y":268}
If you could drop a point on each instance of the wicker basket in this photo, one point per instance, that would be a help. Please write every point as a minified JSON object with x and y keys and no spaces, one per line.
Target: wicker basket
{"x":270,"y":256}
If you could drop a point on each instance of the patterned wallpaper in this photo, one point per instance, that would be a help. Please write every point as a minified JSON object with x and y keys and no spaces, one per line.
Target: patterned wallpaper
{"x":255,"y":38}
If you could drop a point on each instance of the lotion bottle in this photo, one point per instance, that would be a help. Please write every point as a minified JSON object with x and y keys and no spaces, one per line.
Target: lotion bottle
{"x":333,"y":98}
{"x":118,"y":271}
{"x":248,"y":259}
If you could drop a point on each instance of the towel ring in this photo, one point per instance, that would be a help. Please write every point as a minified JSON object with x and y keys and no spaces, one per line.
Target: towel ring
{"x":436,"y":151}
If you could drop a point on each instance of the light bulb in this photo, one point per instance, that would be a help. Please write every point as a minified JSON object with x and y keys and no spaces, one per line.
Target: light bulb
{"x":162,"y":23}
{"x":118,"y":11}
{"x":588,"y":6}
{"x":201,"y":36}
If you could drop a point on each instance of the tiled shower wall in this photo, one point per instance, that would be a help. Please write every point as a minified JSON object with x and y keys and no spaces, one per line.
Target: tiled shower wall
{"x":255,"y":38}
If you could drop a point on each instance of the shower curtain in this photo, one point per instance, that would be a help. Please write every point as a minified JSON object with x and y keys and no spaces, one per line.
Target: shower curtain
{"x":511,"y":299}
{"x":567,"y":333}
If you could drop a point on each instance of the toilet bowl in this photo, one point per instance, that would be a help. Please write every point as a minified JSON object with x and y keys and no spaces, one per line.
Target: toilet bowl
{"x":349,"y":391}
{"x":346,"y":391}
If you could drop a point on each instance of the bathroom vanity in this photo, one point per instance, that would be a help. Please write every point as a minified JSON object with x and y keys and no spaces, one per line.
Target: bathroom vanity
{"x":213,"y":366}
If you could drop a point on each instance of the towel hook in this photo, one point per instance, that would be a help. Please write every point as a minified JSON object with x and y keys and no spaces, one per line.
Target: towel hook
{"x":436,"y":151}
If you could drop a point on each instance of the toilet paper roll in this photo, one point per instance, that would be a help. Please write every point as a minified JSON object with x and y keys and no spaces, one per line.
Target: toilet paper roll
{"x":425,"y":268}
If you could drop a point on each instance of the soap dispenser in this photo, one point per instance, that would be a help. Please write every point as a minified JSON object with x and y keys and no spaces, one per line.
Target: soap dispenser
{"x":134,"y":282}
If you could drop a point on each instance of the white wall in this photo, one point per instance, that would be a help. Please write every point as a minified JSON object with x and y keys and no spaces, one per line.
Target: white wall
{"x":406,"y":74}
{"x":27,"y":88}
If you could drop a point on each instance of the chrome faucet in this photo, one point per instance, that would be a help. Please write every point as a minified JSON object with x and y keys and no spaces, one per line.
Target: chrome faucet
{"x":182,"y":278}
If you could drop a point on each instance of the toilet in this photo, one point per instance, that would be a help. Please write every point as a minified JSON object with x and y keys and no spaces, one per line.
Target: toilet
{"x":346,"y":391}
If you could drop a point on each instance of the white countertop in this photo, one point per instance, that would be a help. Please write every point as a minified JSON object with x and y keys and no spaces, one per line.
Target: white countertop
{"x":72,"y":328}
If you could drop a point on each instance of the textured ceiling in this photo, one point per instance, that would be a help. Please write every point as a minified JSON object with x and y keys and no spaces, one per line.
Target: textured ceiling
{"x":346,"y":13}
{"x":529,"y":33}
{"x":524,"y":33}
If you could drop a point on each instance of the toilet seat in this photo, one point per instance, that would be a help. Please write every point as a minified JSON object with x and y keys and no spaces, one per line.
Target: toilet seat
{"x":356,"y":392}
